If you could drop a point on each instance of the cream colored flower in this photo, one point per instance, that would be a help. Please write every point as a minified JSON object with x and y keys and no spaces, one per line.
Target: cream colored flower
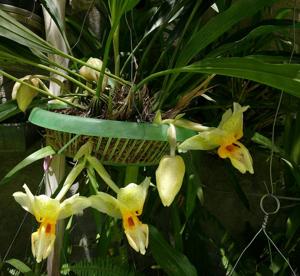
{"x":23,"y":93}
{"x":226,"y":137}
{"x":128,"y":205}
{"x":170,"y":172}
{"x":92,"y":74}
{"x":47,"y":212}
{"x":169,"y":177}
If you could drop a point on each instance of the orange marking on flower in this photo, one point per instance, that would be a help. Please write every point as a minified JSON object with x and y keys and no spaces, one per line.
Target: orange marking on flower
{"x":130,"y":222}
{"x":230,"y":148}
{"x":48,"y":228}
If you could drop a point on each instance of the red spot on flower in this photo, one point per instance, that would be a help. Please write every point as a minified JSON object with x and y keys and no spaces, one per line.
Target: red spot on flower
{"x":230,"y":148}
{"x":130,"y":222}
{"x":48,"y":228}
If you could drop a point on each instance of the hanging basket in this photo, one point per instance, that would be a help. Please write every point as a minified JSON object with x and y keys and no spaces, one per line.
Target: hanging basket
{"x":115,"y":142}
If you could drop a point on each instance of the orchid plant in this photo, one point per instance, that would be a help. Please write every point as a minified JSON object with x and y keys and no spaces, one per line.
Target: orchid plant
{"x":150,"y":57}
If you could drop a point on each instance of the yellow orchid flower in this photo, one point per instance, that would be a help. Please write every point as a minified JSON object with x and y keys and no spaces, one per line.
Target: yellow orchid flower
{"x":47,"y":211}
{"x":128,"y":205}
{"x":226,"y":137}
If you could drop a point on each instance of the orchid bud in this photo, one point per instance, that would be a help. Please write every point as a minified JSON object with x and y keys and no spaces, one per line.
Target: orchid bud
{"x":23,"y":93}
{"x":169,"y":177}
{"x":92,"y":74}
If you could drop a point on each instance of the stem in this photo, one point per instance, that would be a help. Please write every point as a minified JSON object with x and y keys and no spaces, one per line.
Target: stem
{"x":78,"y":83}
{"x":118,"y":79}
{"x":98,"y":167}
{"x":176,"y":49}
{"x":40,"y":90}
{"x":77,"y":169}
{"x":116,"y":51}
{"x":57,"y":72}
{"x":105,"y":59}
{"x":131,"y":174}
{"x":159,"y":74}
{"x":172,"y":139}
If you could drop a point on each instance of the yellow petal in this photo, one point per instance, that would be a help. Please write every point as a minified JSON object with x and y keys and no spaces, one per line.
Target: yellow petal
{"x":73,"y":205}
{"x":45,"y":207}
{"x":106,"y":203}
{"x":132,"y":197}
{"x":23,"y":93}
{"x":239,"y":156}
{"x":169,"y":177}
{"x":190,"y":125}
{"x":138,"y":237}
{"x":232,"y":122}
{"x":25,"y":200}
{"x":205,"y":140}
{"x":42,"y":241}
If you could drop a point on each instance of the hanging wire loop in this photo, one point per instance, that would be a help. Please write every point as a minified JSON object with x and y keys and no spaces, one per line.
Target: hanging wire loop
{"x":269,"y":197}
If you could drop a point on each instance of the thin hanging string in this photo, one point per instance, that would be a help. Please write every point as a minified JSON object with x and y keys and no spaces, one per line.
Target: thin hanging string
{"x":279,"y":103}
{"x":267,"y":213}
{"x":21,"y":224}
{"x":83,"y":23}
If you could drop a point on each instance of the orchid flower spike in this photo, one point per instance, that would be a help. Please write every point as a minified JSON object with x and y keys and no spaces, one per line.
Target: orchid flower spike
{"x":226,"y":137}
{"x":170,"y":172}
{"x":128,"y":205}
{"x":47,"y":211}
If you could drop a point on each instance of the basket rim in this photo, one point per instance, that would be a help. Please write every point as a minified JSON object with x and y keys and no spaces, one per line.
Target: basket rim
{"x":104,"y":128}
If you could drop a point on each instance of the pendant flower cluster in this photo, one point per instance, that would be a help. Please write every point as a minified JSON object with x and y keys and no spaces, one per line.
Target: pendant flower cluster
{"x":129,"y":203}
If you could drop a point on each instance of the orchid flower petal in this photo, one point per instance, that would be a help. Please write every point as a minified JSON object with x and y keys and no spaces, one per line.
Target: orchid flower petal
{"x":232,"y":122}
{"x":239,"y":156}
{"x":42,"y":242}
{"x":45,"y":207}
{"x":106,"y":203}
{"x":25,"y":200}
{"x":73,"y":205}
{"x":132,"y":197}
{"x":138,"y":237}
{"x":205,"y":140}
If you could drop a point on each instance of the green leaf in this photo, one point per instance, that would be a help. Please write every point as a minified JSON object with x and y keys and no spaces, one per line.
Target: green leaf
{"x":55,"y":13}
{"x":8,"y":109}
{"x":260,"y":32}
{"x":281,"y":76}
{"x":265,"y":142}
{"x":170,"y":260}
{"x":285,"y":77}
{"x":130,"y":4}
{"x":12,"y":29}
{"x":52,"y":9}
{"x":23,"y":268}
{"x":220,"y":24}
{"x":40,"y":154}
